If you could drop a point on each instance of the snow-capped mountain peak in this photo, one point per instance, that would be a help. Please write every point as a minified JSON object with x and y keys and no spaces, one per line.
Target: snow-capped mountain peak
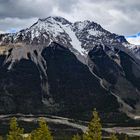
{"x":52,"y":47}
{"x":81,"y":25}
{"x":56,"y":29}
{"x":80,"y":37}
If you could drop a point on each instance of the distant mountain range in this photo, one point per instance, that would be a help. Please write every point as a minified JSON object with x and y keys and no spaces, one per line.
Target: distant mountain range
{"x":67,"y":69}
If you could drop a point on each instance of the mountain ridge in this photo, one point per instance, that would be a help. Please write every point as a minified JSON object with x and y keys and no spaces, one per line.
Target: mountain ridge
{"x":72,"y":66}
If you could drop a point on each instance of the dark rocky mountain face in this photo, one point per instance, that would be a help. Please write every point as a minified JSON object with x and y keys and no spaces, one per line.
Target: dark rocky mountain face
{"x":72,"y":86}
{"x":67,"y":69}
{"x":20,"y":89}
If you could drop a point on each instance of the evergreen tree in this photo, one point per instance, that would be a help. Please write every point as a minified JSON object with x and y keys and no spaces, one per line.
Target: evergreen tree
{"x":126,"y":137}
{"x":94,"y":131}
{"x":15,"y":132}
{"x":114,"y":137}
{"x":76,"y":137}
{"x":41,"y":133}
{"x":1,"y":138}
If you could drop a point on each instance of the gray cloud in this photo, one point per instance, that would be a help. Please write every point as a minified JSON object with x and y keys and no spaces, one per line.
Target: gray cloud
{"x":119,"y":16}
{"x":25,"y":8}
{"x":8,"y":24}
{"x":67,"y":5}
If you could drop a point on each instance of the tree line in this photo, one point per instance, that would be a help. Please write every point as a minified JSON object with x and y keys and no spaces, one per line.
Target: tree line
{"x":93,"y":132}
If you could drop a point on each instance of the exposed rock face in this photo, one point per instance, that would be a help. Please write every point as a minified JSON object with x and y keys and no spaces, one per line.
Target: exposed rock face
{"x":67,"y":69}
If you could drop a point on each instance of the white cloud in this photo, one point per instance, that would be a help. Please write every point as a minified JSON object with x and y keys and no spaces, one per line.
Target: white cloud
{"x":119,"y":16}
{"x":112,"y":15}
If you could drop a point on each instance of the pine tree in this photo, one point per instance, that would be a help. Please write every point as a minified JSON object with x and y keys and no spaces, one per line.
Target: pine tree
{"x":126,"y":137}
{"x":15,"y":132}
{"x":94,"y":131}
{"x":1,"y":138}
{"x":114,"y":137}
{"x":41,"y":133}
{"x":76,"y":137}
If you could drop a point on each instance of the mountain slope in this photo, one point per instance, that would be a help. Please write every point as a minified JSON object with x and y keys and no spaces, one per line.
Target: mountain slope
{"x":64,"y":68}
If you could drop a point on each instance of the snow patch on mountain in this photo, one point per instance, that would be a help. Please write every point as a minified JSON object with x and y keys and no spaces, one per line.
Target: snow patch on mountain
{"x":76,"y":44}
{"x":56,"y":28}
{"x":49,"y":25}
{"x":135,"y":49}
{"x":79,"y":37}
{"x":81,"y":25}
{"x":95,"y":32}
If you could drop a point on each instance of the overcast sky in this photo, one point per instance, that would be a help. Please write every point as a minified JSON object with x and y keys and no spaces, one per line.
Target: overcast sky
{"x":119,"y":16}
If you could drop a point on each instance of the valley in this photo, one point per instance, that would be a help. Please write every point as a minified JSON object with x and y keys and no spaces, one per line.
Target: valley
{"x":67,"y":127}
